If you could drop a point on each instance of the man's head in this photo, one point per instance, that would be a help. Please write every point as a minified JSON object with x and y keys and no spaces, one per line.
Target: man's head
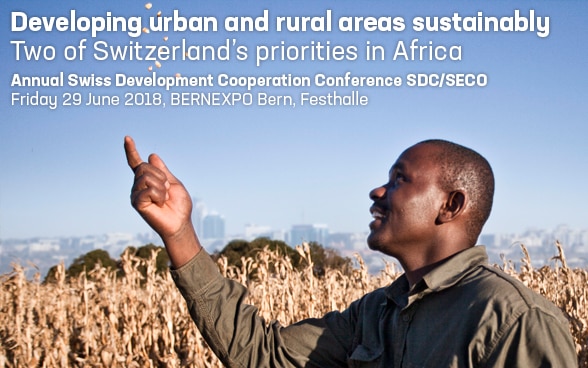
{"x":465,"y":169}
{"x":434,"y":186}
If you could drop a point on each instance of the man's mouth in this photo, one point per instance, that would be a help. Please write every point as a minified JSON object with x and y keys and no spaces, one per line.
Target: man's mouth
{"x":377,"y":213}
{"x":378,"y":216}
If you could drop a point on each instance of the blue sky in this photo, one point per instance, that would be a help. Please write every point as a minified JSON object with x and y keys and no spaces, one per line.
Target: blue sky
{"x":64,"y":171}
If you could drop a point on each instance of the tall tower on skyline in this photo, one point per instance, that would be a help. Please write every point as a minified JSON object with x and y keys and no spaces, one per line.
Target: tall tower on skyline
{"x":199,"y":211}
{"x":213,"y":226}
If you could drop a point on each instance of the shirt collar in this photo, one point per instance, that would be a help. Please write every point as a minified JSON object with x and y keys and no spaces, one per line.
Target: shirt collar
{"x":442,"y":277}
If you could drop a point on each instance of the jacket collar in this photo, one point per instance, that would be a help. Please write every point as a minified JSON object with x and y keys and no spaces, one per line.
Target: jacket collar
{"x":442,"y":277}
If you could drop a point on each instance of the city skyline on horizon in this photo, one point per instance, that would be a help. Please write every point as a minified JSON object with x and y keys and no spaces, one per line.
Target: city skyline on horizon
{"x":541,"y":244}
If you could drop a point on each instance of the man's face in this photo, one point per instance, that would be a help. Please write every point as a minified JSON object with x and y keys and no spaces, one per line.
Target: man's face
{"x":406,"y":208}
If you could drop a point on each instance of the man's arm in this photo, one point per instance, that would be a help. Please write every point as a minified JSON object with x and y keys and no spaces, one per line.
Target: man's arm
{"x":164,"y":203}
{"x":232,"y":328}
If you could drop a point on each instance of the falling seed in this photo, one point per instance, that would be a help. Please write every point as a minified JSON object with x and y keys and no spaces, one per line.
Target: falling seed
{"x":178,"y":75}
{"x":165,"y":38}
{"x":158,"y":64}
{"x":148,"y":6}
{"x":150,"y":68}
{"x":159,"y":13}
{"x":145,"y":30}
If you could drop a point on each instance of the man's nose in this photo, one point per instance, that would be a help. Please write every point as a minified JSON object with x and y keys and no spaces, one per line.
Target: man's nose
{"x":377,"y":193}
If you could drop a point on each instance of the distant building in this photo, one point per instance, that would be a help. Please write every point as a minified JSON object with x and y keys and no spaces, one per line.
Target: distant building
{"x":198,"y":213}
{"x":213,"y":226}
{"x":489,"y":240}
{"x":318,"y":233}
{"x":352,"y":242}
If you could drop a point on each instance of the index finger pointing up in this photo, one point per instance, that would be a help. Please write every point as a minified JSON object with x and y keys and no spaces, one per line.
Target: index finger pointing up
{"x":133,"y":157}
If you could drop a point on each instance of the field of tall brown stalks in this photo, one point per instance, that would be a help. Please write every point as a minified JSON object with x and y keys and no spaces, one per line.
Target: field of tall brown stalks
{"x":99,"y":320}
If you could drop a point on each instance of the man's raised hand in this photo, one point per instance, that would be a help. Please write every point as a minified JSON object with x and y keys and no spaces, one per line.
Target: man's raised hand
{"x":164,"y":203}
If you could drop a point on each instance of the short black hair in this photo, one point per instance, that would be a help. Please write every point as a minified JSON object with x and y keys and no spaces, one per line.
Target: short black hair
{"x":465,"y":169}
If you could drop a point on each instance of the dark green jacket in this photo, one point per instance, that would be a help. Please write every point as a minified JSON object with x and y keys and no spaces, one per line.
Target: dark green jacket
{"x":464,"y":313}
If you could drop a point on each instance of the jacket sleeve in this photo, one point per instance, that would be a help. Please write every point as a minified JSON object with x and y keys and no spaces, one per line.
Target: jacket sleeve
{"x":240,"y":338}
{"x":536,"y":339}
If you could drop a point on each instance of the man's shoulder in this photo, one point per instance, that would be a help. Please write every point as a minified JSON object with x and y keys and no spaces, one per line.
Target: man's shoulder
{"x":495,"y":286}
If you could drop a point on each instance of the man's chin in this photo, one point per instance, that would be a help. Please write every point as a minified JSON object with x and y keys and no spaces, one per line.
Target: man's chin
{"x":372,"y":241}
{"x":378,"y":243}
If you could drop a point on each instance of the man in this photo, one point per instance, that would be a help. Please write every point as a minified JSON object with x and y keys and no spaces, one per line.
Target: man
{"x":449,"y":309}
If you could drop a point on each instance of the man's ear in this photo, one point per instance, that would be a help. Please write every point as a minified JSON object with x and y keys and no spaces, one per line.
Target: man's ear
{"x":453,"y":207}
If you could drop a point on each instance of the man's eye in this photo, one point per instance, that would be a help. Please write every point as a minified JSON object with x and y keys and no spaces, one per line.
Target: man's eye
{"x":398,"y":177}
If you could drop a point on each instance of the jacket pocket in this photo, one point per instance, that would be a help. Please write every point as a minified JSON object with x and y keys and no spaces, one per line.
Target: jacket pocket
{"x":365,"y":357}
